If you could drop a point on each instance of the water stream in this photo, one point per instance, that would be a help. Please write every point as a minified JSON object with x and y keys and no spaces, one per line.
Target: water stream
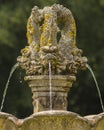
{"x":20,"y":77}
{"x":97,"y":86}
{"x":50,"y":84}
{"x":7,"y":84}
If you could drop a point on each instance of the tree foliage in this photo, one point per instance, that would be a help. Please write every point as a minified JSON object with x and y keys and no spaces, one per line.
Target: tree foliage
{"x":89,"y":16}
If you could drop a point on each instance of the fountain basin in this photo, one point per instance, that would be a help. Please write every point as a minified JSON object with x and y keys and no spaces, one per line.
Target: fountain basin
{"x":40,"y":87}
{"x":52,"y":120}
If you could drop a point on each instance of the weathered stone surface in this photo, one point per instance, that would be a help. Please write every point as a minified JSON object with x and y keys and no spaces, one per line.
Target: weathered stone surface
{"x":52,"y":120}
{"x":7,"y":122}
{"x":40,"y":87}
{"x":45,"y":48}
{"x":44,"y":44}
{"x":57,"y":120}
{"x":96,"y":121}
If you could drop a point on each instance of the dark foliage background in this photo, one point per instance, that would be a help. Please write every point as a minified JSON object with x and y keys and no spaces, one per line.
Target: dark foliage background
{"x":89,"y":15}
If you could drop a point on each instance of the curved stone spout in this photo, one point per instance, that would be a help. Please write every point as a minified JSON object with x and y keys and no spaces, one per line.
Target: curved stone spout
{"x":51,"y":34}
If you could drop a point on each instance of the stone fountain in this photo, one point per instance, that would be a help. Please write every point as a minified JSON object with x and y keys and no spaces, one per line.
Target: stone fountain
{"x":51,"y":59}
{"x":44,"y":46}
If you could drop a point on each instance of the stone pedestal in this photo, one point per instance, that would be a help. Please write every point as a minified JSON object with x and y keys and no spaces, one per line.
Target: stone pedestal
{"x":40,"y":87}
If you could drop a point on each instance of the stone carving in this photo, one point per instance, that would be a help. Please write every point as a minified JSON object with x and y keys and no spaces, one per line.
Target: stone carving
{"x":44,"y":45}
{"x":51,"y":34}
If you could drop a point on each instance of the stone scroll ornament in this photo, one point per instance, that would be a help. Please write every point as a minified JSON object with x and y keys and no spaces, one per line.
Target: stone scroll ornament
{"x":51,"y":34}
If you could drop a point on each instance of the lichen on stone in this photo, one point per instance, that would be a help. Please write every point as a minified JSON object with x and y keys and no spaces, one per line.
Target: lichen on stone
{"x":44,"y":44}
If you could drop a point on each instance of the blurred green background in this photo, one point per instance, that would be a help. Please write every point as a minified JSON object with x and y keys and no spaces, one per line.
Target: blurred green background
{"x":83,"y":97}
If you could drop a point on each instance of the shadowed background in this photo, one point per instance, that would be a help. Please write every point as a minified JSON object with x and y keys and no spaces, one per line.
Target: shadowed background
{"x":89,"y":16}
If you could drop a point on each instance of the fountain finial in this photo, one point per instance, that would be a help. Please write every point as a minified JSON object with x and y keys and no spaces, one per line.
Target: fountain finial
{"x":45,"y":45}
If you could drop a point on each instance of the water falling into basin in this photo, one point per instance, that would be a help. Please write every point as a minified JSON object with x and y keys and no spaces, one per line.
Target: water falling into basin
{"x":50,"y":84}
{"x":97,"y":86}
{"x":7,"y":84}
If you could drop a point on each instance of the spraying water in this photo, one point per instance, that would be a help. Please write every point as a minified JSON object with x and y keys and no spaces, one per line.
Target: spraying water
{"x":97,"y":86}
{"x":20,"y":77}
{"x":50,"y":84}
{"x":7,"y":84}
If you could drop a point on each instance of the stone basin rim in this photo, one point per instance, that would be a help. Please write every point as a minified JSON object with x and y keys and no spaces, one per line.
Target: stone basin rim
{"x":90,"y":119}
{"x":54,"y":77}
{"x":54,"y":113}
{"x":39,"y":114}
